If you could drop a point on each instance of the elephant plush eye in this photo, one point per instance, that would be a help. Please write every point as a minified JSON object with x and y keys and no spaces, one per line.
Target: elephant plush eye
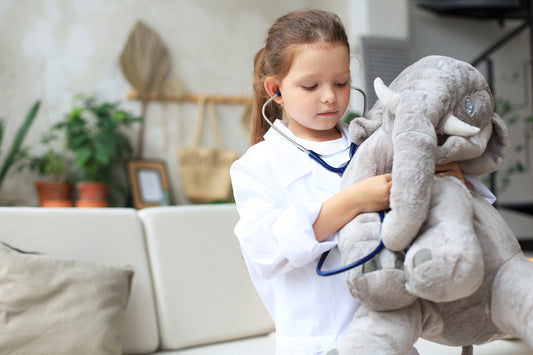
{"x":470,"y":107}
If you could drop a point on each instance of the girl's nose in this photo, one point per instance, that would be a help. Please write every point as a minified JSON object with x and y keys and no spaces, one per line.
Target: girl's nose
{"x":328,"y":96}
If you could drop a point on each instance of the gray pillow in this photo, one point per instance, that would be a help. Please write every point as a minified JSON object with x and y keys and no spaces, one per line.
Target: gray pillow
{"x":60,"y":306}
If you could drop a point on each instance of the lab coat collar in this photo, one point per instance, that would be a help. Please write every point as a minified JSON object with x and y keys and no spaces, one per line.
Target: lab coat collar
{"x":295,"y":163}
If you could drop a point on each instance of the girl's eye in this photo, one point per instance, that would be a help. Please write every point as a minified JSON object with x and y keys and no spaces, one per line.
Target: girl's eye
{"x":341,"y":85}
{"x":310,"y":87}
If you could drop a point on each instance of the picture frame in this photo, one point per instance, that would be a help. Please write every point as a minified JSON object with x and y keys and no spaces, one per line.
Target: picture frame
{"x":149,"y":183}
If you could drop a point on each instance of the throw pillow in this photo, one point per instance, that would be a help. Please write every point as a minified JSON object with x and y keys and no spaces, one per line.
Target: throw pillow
{"x":58,"y":306}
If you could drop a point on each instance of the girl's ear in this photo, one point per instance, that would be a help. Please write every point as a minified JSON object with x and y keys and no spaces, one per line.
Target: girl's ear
{"x":271,"y":86}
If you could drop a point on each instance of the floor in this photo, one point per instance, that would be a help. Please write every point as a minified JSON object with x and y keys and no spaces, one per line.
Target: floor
{"x":498,"y":347}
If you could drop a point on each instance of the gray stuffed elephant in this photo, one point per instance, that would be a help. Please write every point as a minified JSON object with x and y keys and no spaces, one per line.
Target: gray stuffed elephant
{"x":451,"y":271}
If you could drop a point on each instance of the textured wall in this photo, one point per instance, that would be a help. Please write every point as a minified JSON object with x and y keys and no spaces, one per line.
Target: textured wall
{"x":54,"y":49}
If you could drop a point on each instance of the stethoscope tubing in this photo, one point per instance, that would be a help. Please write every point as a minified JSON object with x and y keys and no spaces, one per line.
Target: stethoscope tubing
{"x":312,"y":154}
{"x":344,"y":268}
{"x":338,"y":170}
{"x":298,"y":145}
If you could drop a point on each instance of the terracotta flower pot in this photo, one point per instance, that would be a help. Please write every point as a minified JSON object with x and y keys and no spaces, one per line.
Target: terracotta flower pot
{"x":54,"y":194}
{"x":92,"y":194}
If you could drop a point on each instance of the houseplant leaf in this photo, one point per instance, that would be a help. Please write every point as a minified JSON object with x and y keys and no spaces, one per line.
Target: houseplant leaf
{"x":15,"y":148}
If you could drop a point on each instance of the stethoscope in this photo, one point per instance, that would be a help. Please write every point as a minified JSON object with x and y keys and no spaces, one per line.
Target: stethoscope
{"x":313,"y":155}
{"x":338,"y":170}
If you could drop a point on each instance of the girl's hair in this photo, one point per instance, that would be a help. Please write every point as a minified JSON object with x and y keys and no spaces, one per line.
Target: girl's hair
{"x":274,"y":59}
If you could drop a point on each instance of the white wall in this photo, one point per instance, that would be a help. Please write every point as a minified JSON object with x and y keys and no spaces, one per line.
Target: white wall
{"x":380,"y":18}
{"x":54,"y":49}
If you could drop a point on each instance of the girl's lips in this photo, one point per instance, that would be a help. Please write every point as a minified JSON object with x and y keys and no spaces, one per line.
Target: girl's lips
{"x":328,"y":113}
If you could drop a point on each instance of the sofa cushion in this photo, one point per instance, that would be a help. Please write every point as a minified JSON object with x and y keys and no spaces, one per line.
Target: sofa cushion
{"x":203,"y":290}
{"x":109,"y":236}
{"x":60,"y":306}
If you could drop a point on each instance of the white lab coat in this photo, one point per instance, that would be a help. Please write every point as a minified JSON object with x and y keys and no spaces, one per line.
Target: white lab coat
{"x":279,"y":192}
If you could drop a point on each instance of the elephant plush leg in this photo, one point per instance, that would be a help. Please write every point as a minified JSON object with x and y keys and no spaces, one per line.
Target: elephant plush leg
{"x":445,"y":263}
{"x":380,"y":282}
{"x":512,"y":298}
{"x":381,"y":333}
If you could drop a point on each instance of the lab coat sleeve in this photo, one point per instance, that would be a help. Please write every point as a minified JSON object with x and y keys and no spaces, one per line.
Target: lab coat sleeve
{"x":477,"y":186}
{"x":276,"y":235}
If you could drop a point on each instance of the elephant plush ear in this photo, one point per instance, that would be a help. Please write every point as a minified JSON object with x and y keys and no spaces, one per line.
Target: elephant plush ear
{"x":362,"y":127}
{"x":495,"y":153}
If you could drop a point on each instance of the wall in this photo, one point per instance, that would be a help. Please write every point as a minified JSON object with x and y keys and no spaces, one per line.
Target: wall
{"x":54,"y":49}
{"x":374,"y":18}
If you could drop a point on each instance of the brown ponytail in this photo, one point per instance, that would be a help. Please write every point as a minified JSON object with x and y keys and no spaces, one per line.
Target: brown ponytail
{"x":273,"y":60}
{"x":273,"y":111}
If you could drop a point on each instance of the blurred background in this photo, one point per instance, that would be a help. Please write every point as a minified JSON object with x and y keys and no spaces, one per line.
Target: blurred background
{"x":51,"y":51}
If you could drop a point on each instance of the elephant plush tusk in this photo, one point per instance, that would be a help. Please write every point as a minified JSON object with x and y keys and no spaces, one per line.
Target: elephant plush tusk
{"x":453,"y":126}
{"x":388,"y":97}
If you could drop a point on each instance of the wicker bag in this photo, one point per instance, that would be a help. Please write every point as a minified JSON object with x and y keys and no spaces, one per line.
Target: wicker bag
{"x":205,"y":171}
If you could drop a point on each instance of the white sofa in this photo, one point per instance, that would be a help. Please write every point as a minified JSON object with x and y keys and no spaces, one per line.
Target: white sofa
{"x":190,"y":292}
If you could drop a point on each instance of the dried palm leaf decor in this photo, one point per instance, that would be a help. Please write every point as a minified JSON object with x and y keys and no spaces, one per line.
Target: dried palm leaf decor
{"x":145,"y":63}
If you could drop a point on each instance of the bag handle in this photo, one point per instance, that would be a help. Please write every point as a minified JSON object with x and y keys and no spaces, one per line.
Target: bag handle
{"x":198,"y":122}
{"x":213,"y":122}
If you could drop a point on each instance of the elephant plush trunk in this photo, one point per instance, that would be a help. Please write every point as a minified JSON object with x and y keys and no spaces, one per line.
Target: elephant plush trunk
{"x":412,"y":174}
{"x":414,"y":143}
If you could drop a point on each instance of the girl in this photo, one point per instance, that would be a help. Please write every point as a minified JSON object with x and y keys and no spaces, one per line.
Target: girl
{"x":289,"y":205}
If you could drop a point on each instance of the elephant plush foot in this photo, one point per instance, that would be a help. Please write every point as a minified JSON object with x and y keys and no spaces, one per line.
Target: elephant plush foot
{"x":512,"y":298}
{"x":445,"y":263}
{"x":381,"y":333}
{"x":441,"y":278}
{"x":380,"y":282}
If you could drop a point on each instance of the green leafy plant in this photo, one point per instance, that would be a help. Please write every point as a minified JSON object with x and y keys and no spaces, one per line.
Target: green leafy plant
{"x":94,"y":134}
{"x":16,"y":151}
{"x":505,"y":110}
{"x":54,"y":162}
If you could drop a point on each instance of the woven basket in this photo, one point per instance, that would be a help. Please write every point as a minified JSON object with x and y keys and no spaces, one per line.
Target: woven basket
{"x":204,"y":171}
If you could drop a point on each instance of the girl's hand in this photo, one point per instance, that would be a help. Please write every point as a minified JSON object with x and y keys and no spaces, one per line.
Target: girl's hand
{"x":369,"y":195}
{"x":373,"y":193}
{"x":450,"y":169}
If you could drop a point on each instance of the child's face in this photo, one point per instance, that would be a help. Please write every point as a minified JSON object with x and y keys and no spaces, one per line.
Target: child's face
{"x":316,"y":90}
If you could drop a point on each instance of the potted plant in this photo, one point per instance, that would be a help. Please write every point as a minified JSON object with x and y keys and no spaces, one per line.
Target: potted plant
{"x":57,"y":165}
{"x":94,"y":134}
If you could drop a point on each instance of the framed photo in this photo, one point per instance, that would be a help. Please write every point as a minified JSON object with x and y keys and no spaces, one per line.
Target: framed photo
{"x":149,"y":183}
